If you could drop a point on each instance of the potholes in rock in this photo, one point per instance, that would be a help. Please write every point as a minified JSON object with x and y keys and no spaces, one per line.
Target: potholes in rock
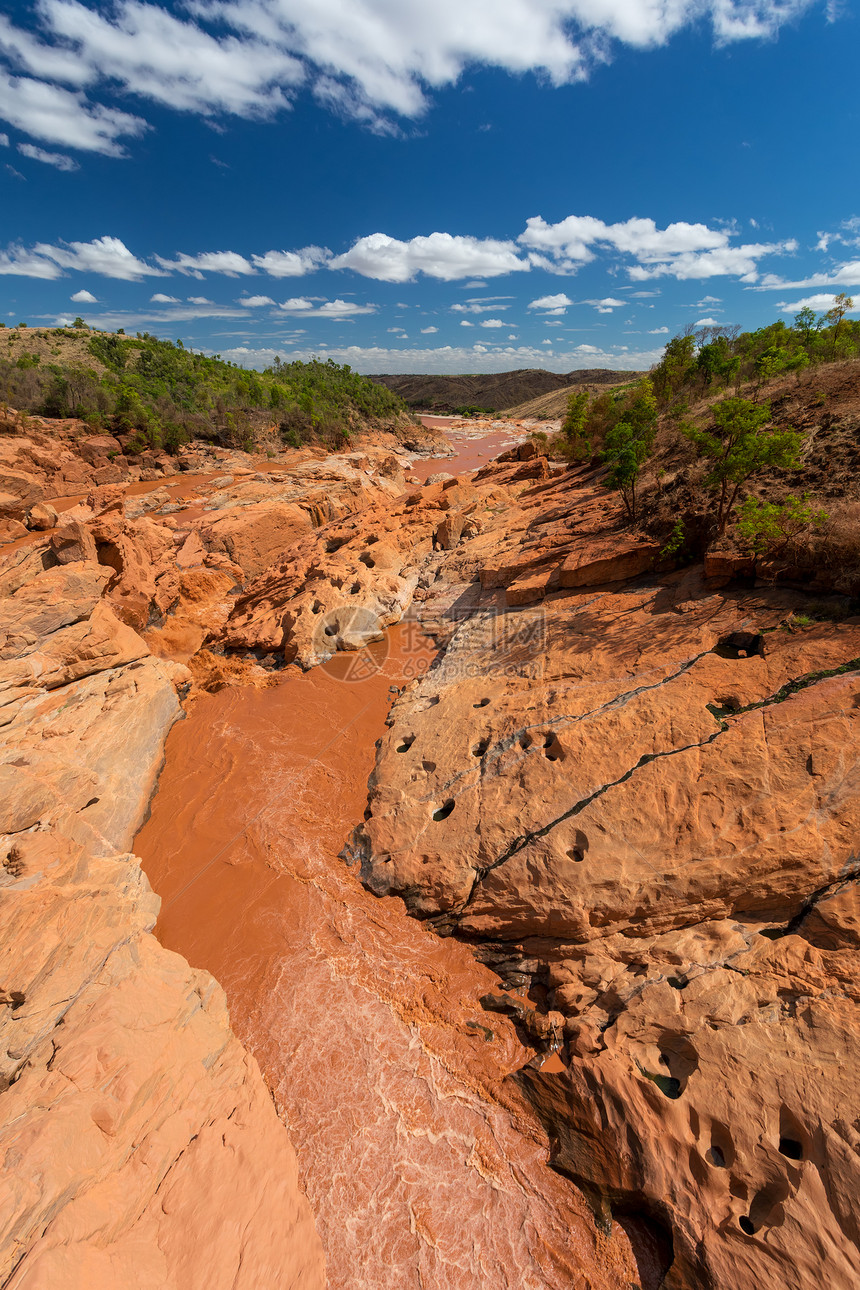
{"x":727,"y":706}
{"x":668,"y":1085}
{"x":721,"y":1152}
{"x":480,"y":747}
{"x":791,"y":1148}
{"x":482,"y":703}
{"x":791,"y":1135}
{"x":367,"y":560}
{"x":334,"y":544}
{"x":355,"y":589}
{"x":766,"y":1209}
{"x":773,"y":933}
{"x":525,"y":740}
{"x":578,"y":850}
{"x":408,"y":741}
{"x":678,"y":1059}
{"x":552,"y":748}
{"x":317,"y":607}
{"x":739,"y":645}
{"x":332,"y":629}
{"x":442,"y":812}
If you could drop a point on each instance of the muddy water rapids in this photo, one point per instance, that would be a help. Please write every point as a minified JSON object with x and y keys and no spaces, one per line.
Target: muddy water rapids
{"x":423,"y":1165}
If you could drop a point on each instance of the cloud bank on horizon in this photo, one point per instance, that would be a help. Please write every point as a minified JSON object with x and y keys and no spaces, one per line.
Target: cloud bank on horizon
{"x":637,"y":247}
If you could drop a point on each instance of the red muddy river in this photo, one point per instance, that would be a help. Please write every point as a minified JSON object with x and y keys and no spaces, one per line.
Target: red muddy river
{"x":423,"y":1166}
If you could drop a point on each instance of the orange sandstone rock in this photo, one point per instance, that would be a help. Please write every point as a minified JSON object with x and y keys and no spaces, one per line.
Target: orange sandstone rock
{"x":641,"y":806}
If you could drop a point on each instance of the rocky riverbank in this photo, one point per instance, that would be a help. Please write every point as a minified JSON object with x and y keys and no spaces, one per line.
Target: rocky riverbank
{"x":622,"y":801}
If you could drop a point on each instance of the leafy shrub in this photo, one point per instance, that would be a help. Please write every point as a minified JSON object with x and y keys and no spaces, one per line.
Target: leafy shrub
{"x":576,"y":443}
{"x":737,"y":446}
{"x":773,"y":528}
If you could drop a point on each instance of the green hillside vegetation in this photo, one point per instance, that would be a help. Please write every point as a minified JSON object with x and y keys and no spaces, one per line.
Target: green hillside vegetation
{"x":701,"y":365}
{"x":707,"y":446}
{"x":158,"y":394}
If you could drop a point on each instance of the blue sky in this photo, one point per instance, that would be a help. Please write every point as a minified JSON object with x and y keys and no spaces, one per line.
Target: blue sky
{"x":438,"y":185}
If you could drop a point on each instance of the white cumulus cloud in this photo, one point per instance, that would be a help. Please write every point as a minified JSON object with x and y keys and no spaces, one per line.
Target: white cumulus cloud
{"x":335,"y":309}
{"x":60,"y":116}
{"x":84,"y":298}
{"x":846,"y":275}
{"x":228,"y":262}
{"x":367,"y":59}
{"x":553,"y":304}
{"x":291,"y":264}
{"x":475,"y":307}
{"x":438,"y":255}
{"x":255,"y":302}
{"x":680,"y":250}
{"x":606,"y":305}
{"x":105,"y":255}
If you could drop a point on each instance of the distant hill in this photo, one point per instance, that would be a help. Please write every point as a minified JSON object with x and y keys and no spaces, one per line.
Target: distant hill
{"x":492,"y":391}
{"x":552,"y":406}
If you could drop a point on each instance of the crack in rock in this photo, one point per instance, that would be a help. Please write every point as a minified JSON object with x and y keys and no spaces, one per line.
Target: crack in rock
{"x":784,"y":692}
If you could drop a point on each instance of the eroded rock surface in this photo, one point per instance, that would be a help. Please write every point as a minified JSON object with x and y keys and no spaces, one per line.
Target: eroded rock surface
{"x":140,"y":1145}
{"x":639,"y":803}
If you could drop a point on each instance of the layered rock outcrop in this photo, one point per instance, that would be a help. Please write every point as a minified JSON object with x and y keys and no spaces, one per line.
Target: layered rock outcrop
{"x":340,"y":587}
{"x":43,"y":457}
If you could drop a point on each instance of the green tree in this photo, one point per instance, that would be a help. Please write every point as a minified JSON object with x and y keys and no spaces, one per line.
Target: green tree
{"x":805,"y":322}
{"x":716,"y":363}
{"x":625,"y":453}
{"x":641,"y":410}
{"x":739,"y":445}
{"x":673,"y":371}
{"x":841,"y":306}
{"x":629,"y":443}
{"x":573,"y":427}
{"x":770,"y":363}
